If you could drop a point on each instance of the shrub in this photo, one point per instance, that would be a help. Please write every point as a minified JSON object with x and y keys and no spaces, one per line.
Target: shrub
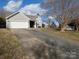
{"x":2,"y":23}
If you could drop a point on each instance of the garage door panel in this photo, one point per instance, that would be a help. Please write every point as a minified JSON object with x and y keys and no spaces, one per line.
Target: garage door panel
{"x":19,"y":25}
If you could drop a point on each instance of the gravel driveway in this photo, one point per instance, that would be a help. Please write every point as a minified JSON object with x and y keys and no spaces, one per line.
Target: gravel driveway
{"x":39,"y":45}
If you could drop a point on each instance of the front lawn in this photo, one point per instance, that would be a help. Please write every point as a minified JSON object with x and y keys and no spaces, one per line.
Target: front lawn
{"x":10,"y":48}
{"x":72,"y":35}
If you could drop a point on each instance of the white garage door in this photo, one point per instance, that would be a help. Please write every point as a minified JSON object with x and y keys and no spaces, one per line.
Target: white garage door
{"x":18,"y":25}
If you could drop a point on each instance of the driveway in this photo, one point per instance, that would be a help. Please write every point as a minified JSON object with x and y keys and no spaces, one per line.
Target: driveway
{"x":37,"y":44}
{"x":24,"y":36}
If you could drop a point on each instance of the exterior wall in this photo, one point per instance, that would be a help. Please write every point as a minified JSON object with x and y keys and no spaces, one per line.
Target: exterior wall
{"x":7,"y":24}
{"x":18,"y":18}
{"x":18,"y":21}
{"x":35,"y":26}
{"x":17,"y":25}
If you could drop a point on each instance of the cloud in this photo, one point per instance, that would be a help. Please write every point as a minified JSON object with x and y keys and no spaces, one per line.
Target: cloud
{"x":33,"y":9}
{"x":13,"y":5}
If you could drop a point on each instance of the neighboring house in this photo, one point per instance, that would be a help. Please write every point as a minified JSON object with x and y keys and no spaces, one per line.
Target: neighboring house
{"x":56,"y":22}
{"x":20,"y":20}
{"x":53,"y":21}
{"x":45,"y":25}
{"x":41,"y":23}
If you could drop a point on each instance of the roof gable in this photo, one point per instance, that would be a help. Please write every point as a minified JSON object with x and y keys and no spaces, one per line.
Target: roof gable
{"x":12,"y":15}
{"x":31,"y":17}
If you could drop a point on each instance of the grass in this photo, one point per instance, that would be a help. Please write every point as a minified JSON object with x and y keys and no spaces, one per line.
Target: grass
{"x":72,"y":35}
{"x":66,"y":50}
{"x":10,"y":48}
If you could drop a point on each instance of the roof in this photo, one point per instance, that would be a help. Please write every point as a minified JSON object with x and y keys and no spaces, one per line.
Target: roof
{"x":8,"y":17}
{"x":29,"y":16}
{"x":32,"y":17}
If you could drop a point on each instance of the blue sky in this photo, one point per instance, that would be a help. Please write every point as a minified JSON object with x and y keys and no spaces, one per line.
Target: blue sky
{"x":26,"y":6}
{"x":29,"y":7}
{"x":25,"y":2}
{"x":31,"y":2}
{"x":2,"y":3}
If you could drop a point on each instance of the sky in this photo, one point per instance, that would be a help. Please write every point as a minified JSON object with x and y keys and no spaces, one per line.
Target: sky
{"x":29,"y":6}
{"x":26,"y":6}
{"x":25,"y":2}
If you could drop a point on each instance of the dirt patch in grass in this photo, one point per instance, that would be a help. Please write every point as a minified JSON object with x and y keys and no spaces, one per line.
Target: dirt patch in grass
{"x":10,"y":48}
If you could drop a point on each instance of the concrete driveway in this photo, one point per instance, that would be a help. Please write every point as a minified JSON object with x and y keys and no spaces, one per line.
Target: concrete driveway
{"x":40,"y":45}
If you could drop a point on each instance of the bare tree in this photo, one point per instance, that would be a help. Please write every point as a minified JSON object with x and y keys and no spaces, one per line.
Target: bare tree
{"x":66,"y":9}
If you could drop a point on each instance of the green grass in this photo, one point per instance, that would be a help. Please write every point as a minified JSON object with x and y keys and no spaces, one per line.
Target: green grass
{"x":10,"y":48}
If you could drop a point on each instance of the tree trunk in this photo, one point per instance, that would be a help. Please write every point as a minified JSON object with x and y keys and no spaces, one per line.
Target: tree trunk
{"x":63,"y":26}
{"x":77,"y":28}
